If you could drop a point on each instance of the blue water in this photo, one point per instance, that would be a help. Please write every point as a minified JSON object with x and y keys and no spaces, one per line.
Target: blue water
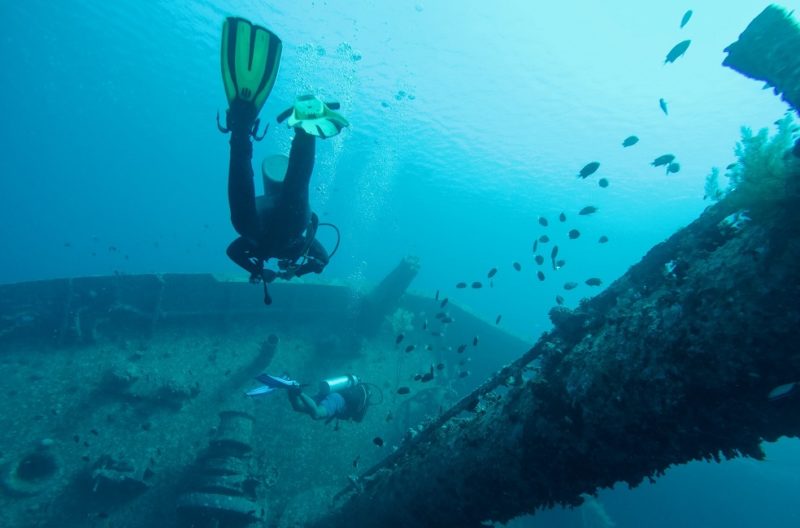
{"x":469,"y":121}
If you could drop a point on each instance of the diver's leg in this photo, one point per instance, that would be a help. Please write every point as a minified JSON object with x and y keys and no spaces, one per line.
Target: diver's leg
{"x":301,"y":165}
{"x":241,"y":189}
{"x":240,"y":251}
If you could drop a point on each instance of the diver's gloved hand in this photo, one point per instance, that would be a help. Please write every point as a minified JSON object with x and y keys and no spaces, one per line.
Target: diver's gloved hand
{"x":265,"y":275}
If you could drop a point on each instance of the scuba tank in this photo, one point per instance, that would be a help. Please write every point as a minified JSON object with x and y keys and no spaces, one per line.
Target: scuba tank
{"x":337,"y":384}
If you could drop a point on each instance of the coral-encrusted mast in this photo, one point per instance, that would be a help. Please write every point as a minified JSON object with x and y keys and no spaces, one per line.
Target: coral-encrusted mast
{"x":672,"y":363}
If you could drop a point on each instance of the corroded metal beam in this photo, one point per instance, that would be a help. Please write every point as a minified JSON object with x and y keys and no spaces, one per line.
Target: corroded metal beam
{"x":674,"y":362}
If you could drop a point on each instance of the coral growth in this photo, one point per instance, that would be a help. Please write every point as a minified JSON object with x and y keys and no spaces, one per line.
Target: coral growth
{"x":763,"y":167}
{"x":401,"y":321}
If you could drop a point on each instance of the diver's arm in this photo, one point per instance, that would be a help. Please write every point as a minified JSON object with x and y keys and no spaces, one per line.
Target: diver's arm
{"x":317,"y":260}
{"x":302,"y":402}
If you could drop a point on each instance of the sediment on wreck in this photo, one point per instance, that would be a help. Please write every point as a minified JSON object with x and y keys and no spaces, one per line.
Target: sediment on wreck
{"x":672,"y":363}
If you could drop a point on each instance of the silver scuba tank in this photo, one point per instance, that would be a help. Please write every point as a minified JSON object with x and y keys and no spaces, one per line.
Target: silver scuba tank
{"x":337,"y":384}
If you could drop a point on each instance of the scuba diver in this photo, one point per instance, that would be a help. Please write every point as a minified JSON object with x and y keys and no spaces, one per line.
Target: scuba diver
{"x":343,"y":397}
{"x":279,"y":224}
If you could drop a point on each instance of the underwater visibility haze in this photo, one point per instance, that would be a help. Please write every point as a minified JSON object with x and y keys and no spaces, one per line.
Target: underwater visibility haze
{"x":539,"y":149}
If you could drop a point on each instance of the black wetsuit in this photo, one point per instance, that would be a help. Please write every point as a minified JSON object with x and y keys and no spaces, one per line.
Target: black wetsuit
{"x":273,"y":226}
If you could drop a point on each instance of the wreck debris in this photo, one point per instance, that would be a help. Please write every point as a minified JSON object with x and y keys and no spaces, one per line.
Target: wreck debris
{"x":220,"y":490}
{"x":769,"y":50}
{"x":383,"y":299}
{"x":31,"y":473}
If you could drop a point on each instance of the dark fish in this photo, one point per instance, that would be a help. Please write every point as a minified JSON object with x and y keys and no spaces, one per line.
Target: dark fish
{"x":589,"y":209}
{"x":543,"y":221}
{"x":444,"y":302}
{"x":554,"y":253}
{"x":602,"y":182}
{"x":517,"y":266}
{"x":436,"y":333}
{"x":378,"y":441}
{"x":630,"y":141}
{"x":663,"y":104}
{"x":570,"y":285}
{"x":428,"y":376}
{"x":574,"y":233}
{"x":463,"y":374}
{"x":403,"y":390}
{"x":559,"y":300}
{"x":560,"y":263}
{"x":732,"y":165}
{"x":666,"y":159}
{"x":437,"y":296}
{"x":678,"y":50}
{"x":686,"y":16}
{"x":589,"y":169}
{"x":535,"y":245}
{"x":355,"y":461}
{"x":399,"y":339}
{"x":417,"y":377}
{"x":492,"y":273}
{"x":410,"y":348}
{"x":477,"y":285}
{"x":389,"y":416}
{"x":447,"y":320}
{"x":475,"y":341}
{"x":540,"y":275}
{"x":594,"y":281}
{"x":673,"y":167}
{"x":425,"y":325}
{"x":440,"y":366}
{"x":539,"y":259}
{"x":544,"y":239}
{"x":429,"y":348}
{"x":562,"y":217}
{"x":603,"y":239}
{"x":461,"y":349}
{"x":461,"y":285}
{"x":497,"y":321}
